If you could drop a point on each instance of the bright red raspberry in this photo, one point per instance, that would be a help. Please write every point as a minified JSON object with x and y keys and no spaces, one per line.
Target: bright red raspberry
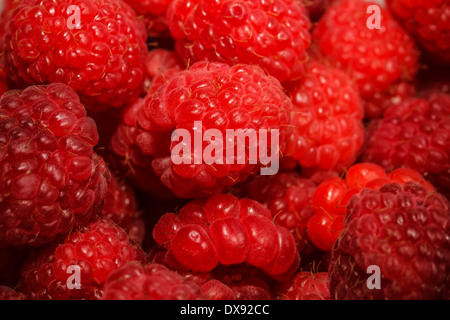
{"x":402,"y":230}
{"x":306,"y":286}
{"x":376,"y":59}
{"x":327,"y":118}
{"x":153,"y":281}
{"x":273,"y":35}
{"x":223,"y":229}
{"x":416,"y":135}
{"x":103,"y":60}
{"x":50,"y":177}
{"x":7,"y":293}
{"x":97,"y":249}
{"x":332,"y":196}
{"x":288,"y":197}
{"x":223,"y":99}
{"x":428,"y":22}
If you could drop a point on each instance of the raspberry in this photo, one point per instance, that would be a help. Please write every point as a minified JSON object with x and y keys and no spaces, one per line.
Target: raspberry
{"x":154,"y":13}
{"x":226,"y":230}
{"x":416,"y":135}
{"x":221,"y":98}
{"x":376,"y":59}
{"x":153,"y":281}
{"x":7,"y":293}
{"x":427,"y":21}
{"x":306,"y":286}
{"x":161,"y":65}
{"x":403,"y":230}
{"x":51,"y":178}
{"x":104,"y":60}
{"x":327,"y":118}
{"x":97,"y":249}
{"x":288,"y":197}
{"x":120,"y":207}
{"x":332,"y":196}
{"x":273,"y":35}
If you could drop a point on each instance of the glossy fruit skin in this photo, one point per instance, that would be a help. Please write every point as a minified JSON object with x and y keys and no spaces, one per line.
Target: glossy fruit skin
{"x":403,"y":230}
{"x":427,"y":22}
{"x":221,"y":98}
{"x":51,"y":178}
{"x":227,"y":230}
{"x":273,"y":35}
{"x":104,"y":61}
{"x":97,"y":249}
{"x":327,"y":118}
{"x":378,"y":60}
{"x":332,"y":196}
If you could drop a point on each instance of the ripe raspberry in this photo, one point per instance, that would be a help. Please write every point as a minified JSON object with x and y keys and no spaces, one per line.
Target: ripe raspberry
{"x":127,"y":158}
{"x":306,"y":286}
{"x":376,"y":59}
{"x":249,"y":289}
{"x":273,"y":35}
{"x":104,"y":60}
{"x":7,"y":293}
{"x":226,"y":230}
{"x":428,"y":22}
{"x":97,"y":249}
{"x":416,"y":135}
{"x":154,"y":13}
{"x":120,"y":207}
{"x":161,"y":65}
{"x":327,"y":118}
{"x":51,"y":179}
{"x":153,"y":281}
{"x":288,"y":197}
{"x":405,"y":231}
{"x":332,"y":196}
{"x":222,"y":98}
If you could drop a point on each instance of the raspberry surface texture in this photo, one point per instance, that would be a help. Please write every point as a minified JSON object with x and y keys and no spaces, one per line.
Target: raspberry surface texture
{"x":51,"y":178}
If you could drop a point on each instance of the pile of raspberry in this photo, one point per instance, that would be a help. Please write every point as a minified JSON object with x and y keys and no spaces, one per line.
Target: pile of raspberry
{"x":224,"y":150}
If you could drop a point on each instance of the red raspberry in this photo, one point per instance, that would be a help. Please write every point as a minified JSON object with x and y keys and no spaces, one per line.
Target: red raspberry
{"x":120,"y":207}
{"x":250,"y":289}
{"x":288,"y":197}
{"x":127,"y":158}
{"x":104,"y":60}
{"x":332,"y":196}
{"x":273,"y":35}
{"x":428,"y":22}
{"x":376,"y":59}
{"x":403,"y":230}
{"x":161,"y":65}
{"x":97,"y":249}
{"x":226,"y":230}
{"x":416,"y":135}
{"x":154,"y":12}
{"x":327,"y":118}
{"x":7,"y":293}
{"x":222,"y":98}
{"x":306,"y":286}
{"x":153,"y":281}
{"x":50,"y":177}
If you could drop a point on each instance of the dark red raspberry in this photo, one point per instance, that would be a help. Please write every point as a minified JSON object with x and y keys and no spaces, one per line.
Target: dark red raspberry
{"x":327,"y":118}
{"x":376,"y":59}
{"x":222,"y":98}
{"x":223,"y":229}
{"x":51,"y":179}
{"x":103,"y":60}
{"x":153,"y":281}
{"x":97,"y":249}
{"x":273,"y":35}
{"x":332,"y":196}
{"x":7,"y":293}
{"x":402,"y":230}
{"x":288,"y":197}
{"x":306,"y":286}
{"x":428,"y":22}
{"x":414,"y":134}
